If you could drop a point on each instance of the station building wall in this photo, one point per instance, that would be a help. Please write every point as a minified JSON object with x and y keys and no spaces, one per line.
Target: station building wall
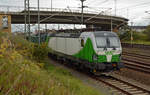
{"x":5,"y":23}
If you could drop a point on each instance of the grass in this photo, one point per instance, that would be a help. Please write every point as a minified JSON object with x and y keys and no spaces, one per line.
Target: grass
{"x":22,"y":75}
{"x":138,"y":37}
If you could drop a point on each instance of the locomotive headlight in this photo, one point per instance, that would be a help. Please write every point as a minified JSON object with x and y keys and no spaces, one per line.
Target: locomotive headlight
{"x":118,"y":52}
{"x":101,"y":52}
{"x":95,"y":57}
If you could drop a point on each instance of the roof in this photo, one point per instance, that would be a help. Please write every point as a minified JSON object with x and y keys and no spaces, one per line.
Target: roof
{"x":105,"y":34}
{"x":66,"y":35}
{"x":138,"y":27}
{"x":77,"y":35}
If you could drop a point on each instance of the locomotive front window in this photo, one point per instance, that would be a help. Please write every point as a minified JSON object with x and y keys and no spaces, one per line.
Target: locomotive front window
{"x":107,"y":42}
{"x":113,"y":42}
{"x":101,"y":42}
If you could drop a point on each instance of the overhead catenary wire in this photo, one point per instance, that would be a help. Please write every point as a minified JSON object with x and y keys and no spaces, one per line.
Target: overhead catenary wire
{"x":136,"y":5}
{"x":89,"y":2}
{"x":130,"y":11}
{"x":98,"y":2}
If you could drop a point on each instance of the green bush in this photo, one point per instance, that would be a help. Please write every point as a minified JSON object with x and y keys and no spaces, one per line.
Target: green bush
{"x":21,"y":75}
{"x":125,"y":36}
{"x":39,"y":52}
{"x":147,"y":32}
{"x":137,"y":36}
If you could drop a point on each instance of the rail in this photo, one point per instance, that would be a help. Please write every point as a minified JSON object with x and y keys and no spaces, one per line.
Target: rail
{"x":141,"y":46}
{"x":138,"y":62}
{"x":116,"y":84}
{"x":122,"y":87}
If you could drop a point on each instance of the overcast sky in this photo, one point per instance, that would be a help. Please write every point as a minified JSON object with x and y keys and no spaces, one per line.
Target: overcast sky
{"x":132,"y":9}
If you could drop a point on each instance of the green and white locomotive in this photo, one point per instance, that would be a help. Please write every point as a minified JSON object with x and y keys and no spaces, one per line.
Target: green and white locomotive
{"x":98,"y":51}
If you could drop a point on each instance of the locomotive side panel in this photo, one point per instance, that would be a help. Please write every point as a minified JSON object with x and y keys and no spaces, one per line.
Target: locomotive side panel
{"x":68,"y":46}
{"x":73,"y":46}
{"x":52,"y":43}
{"x":61,"y":47}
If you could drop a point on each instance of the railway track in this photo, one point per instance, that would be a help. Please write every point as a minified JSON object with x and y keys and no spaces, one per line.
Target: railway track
{"x":137,"y":55}
{"x":140,"y":46}
{"x":138,"y":62}
{"x":122,"y":87}
{"x":118,"y":86}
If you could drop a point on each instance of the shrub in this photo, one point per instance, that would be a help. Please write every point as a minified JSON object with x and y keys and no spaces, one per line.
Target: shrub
{"x":147,"y":32}
{"x":39,"y":52}
{"x":23,"y":76}
{"x":137,"y":36}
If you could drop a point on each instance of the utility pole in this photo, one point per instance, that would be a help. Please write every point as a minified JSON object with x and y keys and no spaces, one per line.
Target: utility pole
{"x":115,"y":7}
{"x":51,"y":5}
{"x":111,"y":25}
{"x":46,"y":28}
{"x":127,"y":12}
{"x":82,"y":6}
{"x":27,"y":17}
{"x":39,"y":21}
{"x":74,"y":26}
{"x":29,"y":30}
{"x":111,"y":22}
{"x":131,"y":34}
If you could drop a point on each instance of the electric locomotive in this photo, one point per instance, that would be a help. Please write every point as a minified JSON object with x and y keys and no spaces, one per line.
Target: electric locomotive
{"x":98,"y":51}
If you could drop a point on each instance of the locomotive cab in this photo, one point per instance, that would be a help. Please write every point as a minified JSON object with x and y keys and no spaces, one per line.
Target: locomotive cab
{"x":107,"y":50}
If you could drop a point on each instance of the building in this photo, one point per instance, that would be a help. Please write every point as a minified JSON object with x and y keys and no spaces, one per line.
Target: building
{"x":5,"y":23}
{"x":138,"y":28}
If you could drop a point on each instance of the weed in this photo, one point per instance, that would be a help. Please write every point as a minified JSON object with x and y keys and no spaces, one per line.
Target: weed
{"x":22,"y":74}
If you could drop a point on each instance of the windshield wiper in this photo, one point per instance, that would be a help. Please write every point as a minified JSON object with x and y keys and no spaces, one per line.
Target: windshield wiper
{"x":114,"y":48}
{"x":105,"y":48}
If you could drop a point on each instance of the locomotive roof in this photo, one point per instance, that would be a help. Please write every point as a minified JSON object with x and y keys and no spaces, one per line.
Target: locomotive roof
{"x":67,"y":35}
{"x":105,"y":34}
{"x":77,"y":35}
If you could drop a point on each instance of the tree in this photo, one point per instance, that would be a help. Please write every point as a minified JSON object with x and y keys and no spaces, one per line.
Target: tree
{"x":147,"y":32}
